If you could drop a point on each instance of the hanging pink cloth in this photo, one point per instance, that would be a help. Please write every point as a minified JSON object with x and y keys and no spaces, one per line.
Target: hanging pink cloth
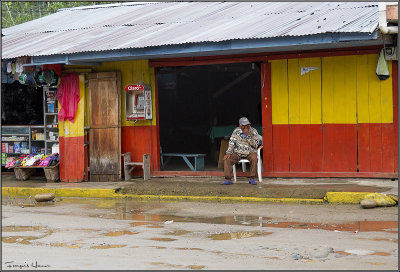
{"x":68,"y":96}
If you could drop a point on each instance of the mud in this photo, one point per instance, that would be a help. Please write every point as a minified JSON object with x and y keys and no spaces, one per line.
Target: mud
{"x":96,"y":234}
{"x":207,"y":187}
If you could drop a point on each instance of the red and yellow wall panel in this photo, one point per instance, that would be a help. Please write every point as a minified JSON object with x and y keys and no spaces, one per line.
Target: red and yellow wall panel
{"x":73,"y":163}
{"x":338,"y":117}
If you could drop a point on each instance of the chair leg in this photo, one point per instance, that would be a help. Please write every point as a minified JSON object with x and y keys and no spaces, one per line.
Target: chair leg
{"x":259,"y":167}
{"x":244,"y":166}
{"x":146,"y":166}
{"x":234,"y":172}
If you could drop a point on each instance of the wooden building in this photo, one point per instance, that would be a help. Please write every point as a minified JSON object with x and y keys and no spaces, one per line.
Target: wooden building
{"x":313,"y":94}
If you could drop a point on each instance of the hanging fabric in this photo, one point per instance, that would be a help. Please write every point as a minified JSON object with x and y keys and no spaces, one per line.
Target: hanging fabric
{"x":68,"y":97}
{"x":382,"y":70}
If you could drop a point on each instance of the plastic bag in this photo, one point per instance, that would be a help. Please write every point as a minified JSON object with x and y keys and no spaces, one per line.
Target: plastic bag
{"x":382,"y":70}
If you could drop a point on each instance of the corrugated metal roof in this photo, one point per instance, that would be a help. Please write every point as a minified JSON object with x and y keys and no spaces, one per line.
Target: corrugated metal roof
{"x":140,"y":25}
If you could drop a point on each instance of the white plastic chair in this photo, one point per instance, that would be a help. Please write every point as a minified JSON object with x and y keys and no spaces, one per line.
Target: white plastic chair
{"x":244,"y":161}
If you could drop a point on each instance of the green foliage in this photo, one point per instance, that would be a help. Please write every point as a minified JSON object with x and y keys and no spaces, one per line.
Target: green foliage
{"x":14,"y":13}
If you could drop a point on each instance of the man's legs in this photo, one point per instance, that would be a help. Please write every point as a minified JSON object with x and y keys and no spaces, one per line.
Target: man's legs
{"x":252,"y":157}
{"x":228,"y":163}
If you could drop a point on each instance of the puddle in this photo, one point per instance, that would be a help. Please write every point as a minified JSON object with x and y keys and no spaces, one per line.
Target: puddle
{"x":381,"y":254}
{"x":237,"y":235}
{"x":120,"y":233}
{"x":382,"y":239}
{"x":107,"y":246}
{"x":135,"y":224}
{"x":163,"y":239}
{"x":342,"y":252}
{"x":144,"y":219}
{"x":64,"y":245}
{"x":376,"y":263}
{"x":19,"y":239}
{"x":189,"y":248}
{"x":193,"y":267}
{"x":360,"y":226}
{"x":169,"y":265}
{"x":21,"y":228}
{"x":26,"y":240}
{"x":177,"y":232}
{"x":359,"y":251}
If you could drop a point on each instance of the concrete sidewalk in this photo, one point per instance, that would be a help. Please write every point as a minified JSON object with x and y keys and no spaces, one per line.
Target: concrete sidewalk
{"x":285,"y":190}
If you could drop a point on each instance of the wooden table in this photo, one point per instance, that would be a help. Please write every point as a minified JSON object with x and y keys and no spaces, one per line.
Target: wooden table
{"x":198,"y":160}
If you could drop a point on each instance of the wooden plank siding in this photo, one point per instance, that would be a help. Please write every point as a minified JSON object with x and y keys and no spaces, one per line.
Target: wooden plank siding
{"x":336,"y":118}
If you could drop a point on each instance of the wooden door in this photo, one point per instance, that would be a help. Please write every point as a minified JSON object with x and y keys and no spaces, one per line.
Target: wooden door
{"x":105,"y":126}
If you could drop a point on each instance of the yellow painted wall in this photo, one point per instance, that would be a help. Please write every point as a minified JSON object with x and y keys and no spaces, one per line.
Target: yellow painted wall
{"x":75,"y":129}
{"x":342,"y":90}
{"x":132,"y":72}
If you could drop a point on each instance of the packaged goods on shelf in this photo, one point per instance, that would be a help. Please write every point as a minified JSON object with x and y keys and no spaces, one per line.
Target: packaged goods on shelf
{"x":17,"y":147}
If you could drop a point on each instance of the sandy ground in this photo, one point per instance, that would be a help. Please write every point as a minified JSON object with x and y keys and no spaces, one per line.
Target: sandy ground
{"x":80,"y":234}
{"x":313,"y":189}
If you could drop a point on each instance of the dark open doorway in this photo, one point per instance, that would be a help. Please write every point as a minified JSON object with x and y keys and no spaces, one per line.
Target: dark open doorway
{"x":200,"y":105}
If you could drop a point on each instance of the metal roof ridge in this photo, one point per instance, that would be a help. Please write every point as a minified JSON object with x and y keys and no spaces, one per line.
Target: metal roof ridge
{"x":109,"y":5}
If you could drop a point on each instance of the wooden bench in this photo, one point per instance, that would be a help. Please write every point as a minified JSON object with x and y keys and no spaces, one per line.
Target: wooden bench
{"x":198,"y":160}
{"x":52,"y":173}
{"x":129,"y":166}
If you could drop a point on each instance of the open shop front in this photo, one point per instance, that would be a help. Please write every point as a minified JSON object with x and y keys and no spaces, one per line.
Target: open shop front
{"x":29,"y":120}
{"x":199,"y":107}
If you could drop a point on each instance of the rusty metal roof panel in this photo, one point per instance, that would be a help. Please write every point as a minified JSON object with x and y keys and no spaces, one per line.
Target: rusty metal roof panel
{"x":139,"y":25}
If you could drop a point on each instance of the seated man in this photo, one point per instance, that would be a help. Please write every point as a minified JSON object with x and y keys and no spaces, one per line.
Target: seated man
{"x":242,"y":145}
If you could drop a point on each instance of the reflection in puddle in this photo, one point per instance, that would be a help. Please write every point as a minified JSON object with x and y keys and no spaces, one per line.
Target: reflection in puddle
{"x":359,"y":226}
{"x":381,"y":239}
{"x":19,"y":239}
{"x":135,"y":224}
{"x":381,"y":254}
{"x":21,"y":228}
{"x":189,"y":248}
{"x":194,"y":267}
{"x":272,"y":258}
{"x":144,"y":219}
{"x":342,"y":252}
{"x":64,"y":245}
{"x":155,"y":227}
{"x":163,"y":239}
{"x":177,"y":232}
{"x":376,"y":263}
{"x":237,"y":235}
{"x":107,"y":246}
{"x":120,"y":233}
{"x":23,"y":239}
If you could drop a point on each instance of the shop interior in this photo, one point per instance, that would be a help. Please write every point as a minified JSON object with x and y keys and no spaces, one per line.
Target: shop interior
{"x":199,"y":106}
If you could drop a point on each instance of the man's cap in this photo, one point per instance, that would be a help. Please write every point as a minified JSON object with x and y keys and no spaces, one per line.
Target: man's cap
{"x":244,"y":121}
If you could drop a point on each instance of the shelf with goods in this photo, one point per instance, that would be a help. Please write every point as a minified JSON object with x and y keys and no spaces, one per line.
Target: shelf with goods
{"x":50,"y":110}
{"x":18,"y":140}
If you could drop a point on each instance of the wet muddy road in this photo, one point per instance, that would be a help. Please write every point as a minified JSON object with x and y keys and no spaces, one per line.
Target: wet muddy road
{"x":81,"y":234}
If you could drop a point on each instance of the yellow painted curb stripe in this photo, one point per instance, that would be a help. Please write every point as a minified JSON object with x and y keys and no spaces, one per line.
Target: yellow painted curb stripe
{"x":330,"y":197}
{"x":110,"y":193}
{"x":345,"y":197}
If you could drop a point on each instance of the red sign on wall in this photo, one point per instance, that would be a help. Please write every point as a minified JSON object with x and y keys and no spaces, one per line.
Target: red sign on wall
{"x":134,"y":87}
